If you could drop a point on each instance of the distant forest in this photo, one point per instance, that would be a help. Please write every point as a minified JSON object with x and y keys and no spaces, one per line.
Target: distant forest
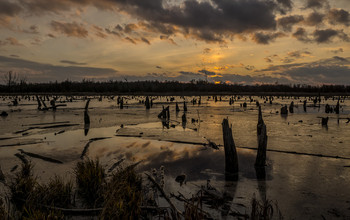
{"x":167,"y":87}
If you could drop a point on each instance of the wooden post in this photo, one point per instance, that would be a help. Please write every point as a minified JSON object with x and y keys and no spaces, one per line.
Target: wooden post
{"x":262,"y":141}
{"x":231,"y":160}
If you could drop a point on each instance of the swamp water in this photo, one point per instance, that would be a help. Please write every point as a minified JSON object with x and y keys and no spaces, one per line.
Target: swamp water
{"x":309,"y":185}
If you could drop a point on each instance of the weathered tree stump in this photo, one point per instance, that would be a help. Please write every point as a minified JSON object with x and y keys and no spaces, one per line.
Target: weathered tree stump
{"x":325,"y":121}
{"x":185,"y":107}
{"x":177,"y":107}
{"x":291,"y":107}
{"x":262,"y":141}
{"x":284,"y":110}
{"x":231,"y":160}
{"x":86,"y":118}
{"x":304,"y":105}
{"x":337,"y":108}
{"x":147,"y":103}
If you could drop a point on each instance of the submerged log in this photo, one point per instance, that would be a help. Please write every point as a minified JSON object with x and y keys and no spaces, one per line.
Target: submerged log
{"x":231,"y":160}
{"x":262,"y":141}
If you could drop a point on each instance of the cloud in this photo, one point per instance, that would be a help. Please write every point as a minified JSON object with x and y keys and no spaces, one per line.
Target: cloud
{"x":325,"y":36}
{"x":158,"y":67}
{"x":333,"y":70}
{"x":9,"y":8}
{"x":40,"y":72}
{"x":316,"y":4}
{"x":301,"y":35}
{"x":298,"y":53}
{"x":338,"y":16}
{"x":130,"y":40}
{"x":145,"y":40}
{"x":206,"y":72}
{"x":72,"y":62}
{"x":266,"y":38}
{"x":10,"y":41}
{"x":314,"y":18}
{"x":339,"y":50}
{"x":286,"y":23}
{"x":70,"y":29}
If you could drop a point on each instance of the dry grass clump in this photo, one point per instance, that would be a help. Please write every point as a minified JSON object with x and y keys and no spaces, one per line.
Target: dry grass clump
{"x":22,"y":185}
{"x":123,"y":196}
{"x":56,"y":193}
{"x":90,"y":180}
{"x":37,"y":214}
{"x":264,"y":210}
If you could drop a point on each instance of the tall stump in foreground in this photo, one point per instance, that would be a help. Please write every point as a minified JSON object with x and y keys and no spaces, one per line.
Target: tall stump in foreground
{"x":231,"y":160}
{"x":262,"y":141}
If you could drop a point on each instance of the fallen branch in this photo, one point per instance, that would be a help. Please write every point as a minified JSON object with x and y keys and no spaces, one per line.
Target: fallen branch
{"x":178,"y":213}
{"x":48,"y":159}
{"x":88,"y":144}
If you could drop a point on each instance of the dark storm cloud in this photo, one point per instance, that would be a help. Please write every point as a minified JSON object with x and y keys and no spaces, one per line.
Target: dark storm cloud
{"x":71,"y":62}
{"x":325,"y":36}
{"x":314,"y":18}
{"x":284,"y":6}
{"x":9,"y":9}
{"x":210,"y":21}
{"x":338,"y":16}
{"x":207,"y":73}
{"x":287,"y":23}
{"x":265,"y":38}
{"x":316,"y":4}
{"x":70,"y":29}
{"x":334,"y":70}
{"x":40,"y":72}
{"x":301,"y":35}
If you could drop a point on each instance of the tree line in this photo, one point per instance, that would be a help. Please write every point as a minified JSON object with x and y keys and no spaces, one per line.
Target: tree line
{"x":133,"y":87}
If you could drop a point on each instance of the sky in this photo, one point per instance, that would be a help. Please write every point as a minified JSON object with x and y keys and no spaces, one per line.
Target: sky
{"x":222,"y":41}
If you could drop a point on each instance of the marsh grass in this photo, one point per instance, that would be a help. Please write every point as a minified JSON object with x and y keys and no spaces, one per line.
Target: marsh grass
{"x":123,"y":197}
{"x":264,"y":210}
{"x":91,"y":181}
{"x":56,"y":193}
{"x":22,"y":185}
{"x":38,"y":214}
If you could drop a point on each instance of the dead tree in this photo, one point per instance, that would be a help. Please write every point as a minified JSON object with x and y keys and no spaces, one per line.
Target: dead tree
{"x":231,"y":160}
{"x":262,"y":141}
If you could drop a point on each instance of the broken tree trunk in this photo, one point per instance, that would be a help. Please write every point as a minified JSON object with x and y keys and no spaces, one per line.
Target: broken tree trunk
{"x":86,"y":118}
{"x":147,"y":103}
{"x":177,"y":107}
{"x":262,"y":141}
{"x":231,"y":160}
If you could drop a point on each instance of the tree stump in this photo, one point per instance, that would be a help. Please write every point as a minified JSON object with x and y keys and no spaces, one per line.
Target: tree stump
{"x":231,"y":160}
{"x":262,"y":141}
{"x":147,"y":103}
